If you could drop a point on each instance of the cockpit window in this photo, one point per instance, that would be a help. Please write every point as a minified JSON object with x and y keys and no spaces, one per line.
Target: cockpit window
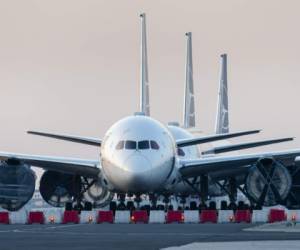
{"x":120,"y":145}
{"x":154,"y":145}
{"x":130,"y":144}
{"x":143,"y":145}
{"x":180,"y":152}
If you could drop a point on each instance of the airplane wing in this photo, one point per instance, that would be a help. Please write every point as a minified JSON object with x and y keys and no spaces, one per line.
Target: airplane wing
{"x":73,"y":138}
{"x":82,"y":167}
{"x":228,"y":148}
{"x":207,"y":165}
{"x":210,"y":138}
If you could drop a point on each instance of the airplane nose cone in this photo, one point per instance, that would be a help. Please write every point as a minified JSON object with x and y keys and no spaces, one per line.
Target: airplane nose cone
{"x":138,"y":172}
{"x":137,"y":164}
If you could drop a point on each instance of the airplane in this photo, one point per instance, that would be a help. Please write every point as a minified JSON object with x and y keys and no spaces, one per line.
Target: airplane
{"x":138,"y":155}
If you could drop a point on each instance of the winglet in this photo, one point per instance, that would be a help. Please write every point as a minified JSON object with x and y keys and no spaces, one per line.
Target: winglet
{"x":222,"y":119}
{"x":189,"y":104}
{"x":144,"y":82}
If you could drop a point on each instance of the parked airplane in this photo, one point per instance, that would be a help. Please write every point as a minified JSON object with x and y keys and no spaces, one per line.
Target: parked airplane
{"x":138,"y":155}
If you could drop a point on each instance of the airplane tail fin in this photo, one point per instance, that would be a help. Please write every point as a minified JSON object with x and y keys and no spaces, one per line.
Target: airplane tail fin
{"x":222,"y":119}
{"x":189,"y":104}
{"x":144,"y":83}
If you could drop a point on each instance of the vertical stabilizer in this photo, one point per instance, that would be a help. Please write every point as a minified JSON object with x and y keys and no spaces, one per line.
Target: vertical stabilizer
{"x":144,"y":84}
{"x":222,"y":119}
{"x":189,"y":105}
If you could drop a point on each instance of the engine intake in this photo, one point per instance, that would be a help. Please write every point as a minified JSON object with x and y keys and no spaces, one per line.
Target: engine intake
{"x":98,"y":195}
{"x":268,"y":182}
{"x":17,"y":184}
{"x":58,"y":188}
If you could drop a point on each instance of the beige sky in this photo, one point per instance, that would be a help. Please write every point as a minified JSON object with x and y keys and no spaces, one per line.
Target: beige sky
{"x":73,"y":66}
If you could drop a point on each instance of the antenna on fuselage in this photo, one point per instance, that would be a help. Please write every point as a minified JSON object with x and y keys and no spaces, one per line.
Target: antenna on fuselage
{"x":222,"y":119}
{"x":144,"y":83}
{"x":189,"y":103}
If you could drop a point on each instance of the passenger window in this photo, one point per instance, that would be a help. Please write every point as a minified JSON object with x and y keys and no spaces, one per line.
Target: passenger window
{"x":180,"y":152}
{"x":120,"y":145}
{"x":130,"y":144}
{"x":154,"y":145}
{"x":143,"y":145}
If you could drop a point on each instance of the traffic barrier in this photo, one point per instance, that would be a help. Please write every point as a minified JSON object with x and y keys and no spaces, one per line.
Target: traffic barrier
{"x":293,"y":215}
{"x":4,"y":218}
{"x":53,"y":215}
{"x":18,"y":217}
{"x":36,"y":217}
{"x":139,"y":216}
{"x":105,"y":217}
{"x":157,"y":216}
{"x":88,"y":217}
{"x":122,"y":217}
{"x":208,"y":216}
{"x":70,"y":217}
{"x":174,"y":217}
{"x":242,"y":216}
{"x":191,"y":216}
{"x":225,"y":216}
{"x":260,"y":216}
{"x":276,"y":215}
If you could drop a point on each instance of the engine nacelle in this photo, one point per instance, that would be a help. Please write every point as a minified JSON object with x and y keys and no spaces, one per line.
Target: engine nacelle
{"x":268,"y":182}
{"x":17,"y":184}
{"x":58,"y":188}
{"x":98,"y":195}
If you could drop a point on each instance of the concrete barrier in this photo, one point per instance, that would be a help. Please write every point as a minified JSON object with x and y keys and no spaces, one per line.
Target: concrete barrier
{"x":225,"y":216}
{"x":157,"y":216}
{"x":191,"y":216}
{"x":259,"y":216}
{"x":293,"y":215}
{"x":88,"y":217}
{"x":122,"y":217}
{"x":53,"y":215}
{"x":18,"y":217}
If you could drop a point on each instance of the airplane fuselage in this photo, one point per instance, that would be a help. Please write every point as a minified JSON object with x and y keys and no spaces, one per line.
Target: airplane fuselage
{"x":138,"y":155}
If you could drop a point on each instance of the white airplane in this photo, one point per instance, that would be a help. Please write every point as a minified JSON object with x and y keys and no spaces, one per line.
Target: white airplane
{"x":138,"y":155}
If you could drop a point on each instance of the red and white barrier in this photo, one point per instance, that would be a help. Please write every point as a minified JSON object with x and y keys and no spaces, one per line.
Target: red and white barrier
{"x":139,"y":216}
{"x":293,"y":215}
{"x":191,"y":216}
{"x":53,"y":215}
{"x":157,"y":216}
{"x":88,"y":217}
{"x":174,"y":217}
{"x":242,"y":216}
{"x":122,"y":217}
{"x":105,"y":217}
{"x":18,"y":217}
{"x":36,"y":217}
{"x":277,"y":215}
{"x":4,"y":218}
{"x":208,"y":216}
{"x":57,"y":215}
{"x":70,"y":217}
{"x":225,"y":216}
{"x":260,"y":216}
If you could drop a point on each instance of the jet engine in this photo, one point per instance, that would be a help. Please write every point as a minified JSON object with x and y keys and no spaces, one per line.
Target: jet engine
{"x":98,"y":195}
{"x":59,"y":188}
{"x":268,"y":182}
{"x":17,"y":184}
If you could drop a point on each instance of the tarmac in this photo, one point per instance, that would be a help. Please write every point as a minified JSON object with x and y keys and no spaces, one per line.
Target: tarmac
{"x":129,"y":236}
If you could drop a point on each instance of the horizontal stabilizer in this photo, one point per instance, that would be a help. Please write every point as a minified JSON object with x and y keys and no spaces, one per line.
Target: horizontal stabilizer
{"x":211,"y":138}
{"x":228,"y":148}
{"x":73,"y":138}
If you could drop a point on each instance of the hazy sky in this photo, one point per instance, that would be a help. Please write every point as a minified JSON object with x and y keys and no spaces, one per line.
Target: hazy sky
{"x":73,"y":66}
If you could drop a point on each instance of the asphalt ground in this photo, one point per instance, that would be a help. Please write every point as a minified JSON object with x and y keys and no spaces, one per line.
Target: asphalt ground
{"x":127,"y":236}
